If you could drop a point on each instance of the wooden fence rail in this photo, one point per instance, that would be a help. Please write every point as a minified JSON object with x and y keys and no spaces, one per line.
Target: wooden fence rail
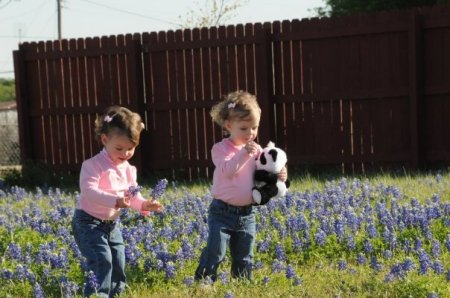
{"x":361,"y":91}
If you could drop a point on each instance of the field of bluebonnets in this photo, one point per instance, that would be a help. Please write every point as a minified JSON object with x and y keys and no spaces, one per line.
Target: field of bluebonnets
{"x":384,"y":236}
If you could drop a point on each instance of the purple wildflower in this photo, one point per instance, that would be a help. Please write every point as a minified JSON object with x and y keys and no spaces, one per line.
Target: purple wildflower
{"x":170,"y":270}
{"x":159,"y":189}
{"x":266,"y":279}
{"x":319,"y":237}
{"x":342,"y":265}
{"x":424,"y":261}
{"x":223,"y":276}
{"x":438,"y":267}
{"x":297,"y":281}
{"x":279,"y":252}
{"x":374,"y":264}
{"x":37,"y":291}
{"x":361,"y":259}
{"x":134,"y":190}
{"x":290,"y":272}
{"x":188,"y":281}
{"x":277,"y":266}
{"x":228,"y":295}
{"x":92,"y":280}
{"x":447,"y":243}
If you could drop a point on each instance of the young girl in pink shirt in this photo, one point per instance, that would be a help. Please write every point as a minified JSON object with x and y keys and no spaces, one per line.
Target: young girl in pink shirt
{"x":104,"y":183}
{"x":231,"y":218}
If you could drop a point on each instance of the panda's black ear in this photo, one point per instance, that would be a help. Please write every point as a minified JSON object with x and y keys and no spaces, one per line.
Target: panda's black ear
{"x":263,"y":159}
{"x":274,"y":154}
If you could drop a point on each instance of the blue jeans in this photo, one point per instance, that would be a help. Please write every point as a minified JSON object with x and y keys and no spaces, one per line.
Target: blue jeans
{"x":101,"y":243}
{"x":233,"y":226}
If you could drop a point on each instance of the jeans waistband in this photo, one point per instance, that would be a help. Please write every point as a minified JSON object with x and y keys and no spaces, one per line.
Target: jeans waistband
{"x":103,"y":221}
{"x":235,"y":209}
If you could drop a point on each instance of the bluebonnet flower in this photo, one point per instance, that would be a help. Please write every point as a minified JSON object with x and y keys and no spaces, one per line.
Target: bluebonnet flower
{"x":223,"y":276}
{"x":92,"y":280}
{"x":319,"y":237}
{"x":432,"y":295}
{"x":447,"y":243}
{"x":14,"y":251}
{"x":159,"y":189}
{"x":277,"y":266}
{"x":188,"y":281}
{"x":258,"y":265}
{"x":170,"y":270}
{"x":408,"y":265}
{"x":134,"y":190}
{"x":448,"y":275}
{"x":69,"y":288}
{"x":387,"y":254}
{"x":361,"y":259}
{"x":207,"y":280}
{"x":368,"y":248}
{"x":424,"y":261}
{"x":297,"y":281}
{"x":37,"y":291}
{"x":279,"y":252}
{"x":438,"y":267}
{"x":229,"y":295}
{"x":6,"y":274}
{"x":266,"y":279}
{"x":290,"y":272}
{"x":417,"y":244}
{"x":351,"y":245}
{"x":374,"y":264}
{"x":435,"y":248}
{"x":342,"y":265}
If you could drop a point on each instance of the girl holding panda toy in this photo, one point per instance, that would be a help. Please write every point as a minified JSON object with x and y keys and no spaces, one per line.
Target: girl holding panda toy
{"x":231,"y":218}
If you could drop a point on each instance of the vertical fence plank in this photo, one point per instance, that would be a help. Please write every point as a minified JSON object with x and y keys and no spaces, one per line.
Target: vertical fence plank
{"x":417,"y":111}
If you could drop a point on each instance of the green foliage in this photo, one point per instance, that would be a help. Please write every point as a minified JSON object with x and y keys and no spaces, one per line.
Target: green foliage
{"x":36,"y":174}
{"x":7,"y":90}
{"x":349,"y":7}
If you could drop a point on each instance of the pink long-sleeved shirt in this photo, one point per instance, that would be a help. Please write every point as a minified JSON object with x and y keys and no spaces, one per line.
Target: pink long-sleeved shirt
{"x":233,"y":173}
{"x":102,"y":182}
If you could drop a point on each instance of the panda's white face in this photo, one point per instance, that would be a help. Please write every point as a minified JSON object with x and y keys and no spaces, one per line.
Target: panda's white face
{"x":272,"y":160}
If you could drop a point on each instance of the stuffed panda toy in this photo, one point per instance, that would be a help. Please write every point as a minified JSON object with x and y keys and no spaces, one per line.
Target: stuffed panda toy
{"x":268,"y":165}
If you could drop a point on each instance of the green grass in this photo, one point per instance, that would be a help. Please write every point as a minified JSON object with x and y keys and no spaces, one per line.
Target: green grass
{"x":319,"y":273}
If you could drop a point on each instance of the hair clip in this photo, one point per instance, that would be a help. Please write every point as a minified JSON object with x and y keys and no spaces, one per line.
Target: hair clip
{"x":142,"y":125}
{"x":108,"y":118}
{"x":231,"y":105}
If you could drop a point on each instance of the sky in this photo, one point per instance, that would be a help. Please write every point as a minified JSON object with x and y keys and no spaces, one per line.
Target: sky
{"x":36,"y":20}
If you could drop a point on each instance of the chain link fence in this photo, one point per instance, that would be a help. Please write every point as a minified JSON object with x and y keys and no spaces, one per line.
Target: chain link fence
{"x":9,"y":138}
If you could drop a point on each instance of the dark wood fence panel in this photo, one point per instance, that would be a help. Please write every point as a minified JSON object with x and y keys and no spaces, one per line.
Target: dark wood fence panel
{"x":437,"y":88}
{"x":359,"y":92}
{"x":187,"y":72}
{"x":68,"y":84}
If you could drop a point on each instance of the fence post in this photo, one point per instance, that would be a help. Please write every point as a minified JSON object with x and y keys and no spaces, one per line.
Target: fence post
{"x":417,"y":112}
{"x":22,"y":104}
{"x":264,"y":85}
{"x":136,"y":89}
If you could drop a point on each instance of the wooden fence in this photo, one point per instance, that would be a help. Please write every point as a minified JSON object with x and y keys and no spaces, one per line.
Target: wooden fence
{"x":362,"y":91}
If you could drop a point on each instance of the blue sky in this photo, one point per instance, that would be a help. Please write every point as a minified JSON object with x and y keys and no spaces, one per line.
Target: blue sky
{"x":35,"y":20}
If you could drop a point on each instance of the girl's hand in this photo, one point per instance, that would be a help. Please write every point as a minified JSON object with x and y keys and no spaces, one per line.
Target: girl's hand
{"x":152,"y":205}
{"x":251,"y":147}
{"x":123,"y":202}
{"x":283,"y":174}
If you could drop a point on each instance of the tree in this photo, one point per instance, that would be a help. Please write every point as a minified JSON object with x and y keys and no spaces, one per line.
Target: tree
{"x":211,"y":13}
{"x":349,"y":7}
{"x":7,"y":90}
